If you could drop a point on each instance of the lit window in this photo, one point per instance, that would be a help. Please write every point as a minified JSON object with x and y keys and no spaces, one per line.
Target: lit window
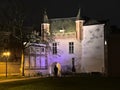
{"x":71,"y":47}
{"x":54,"y":48}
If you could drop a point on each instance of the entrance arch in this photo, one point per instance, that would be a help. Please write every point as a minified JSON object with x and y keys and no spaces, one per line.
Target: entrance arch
{"x":51,"y":70}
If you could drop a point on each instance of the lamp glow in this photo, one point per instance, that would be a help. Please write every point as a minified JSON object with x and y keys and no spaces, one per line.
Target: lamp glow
{"x":105,"y":42}
{"x":6,"y":54}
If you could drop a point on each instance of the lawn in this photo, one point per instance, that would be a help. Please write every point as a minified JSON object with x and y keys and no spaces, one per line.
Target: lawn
{"x":64,"y":83}
{"x":10,"y":77}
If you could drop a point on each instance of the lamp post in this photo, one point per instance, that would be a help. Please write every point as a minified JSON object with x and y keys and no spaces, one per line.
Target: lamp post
{"x":6,"y":54}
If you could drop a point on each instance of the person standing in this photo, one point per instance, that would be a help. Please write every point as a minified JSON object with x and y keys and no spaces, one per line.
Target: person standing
{"x":55,"y":71}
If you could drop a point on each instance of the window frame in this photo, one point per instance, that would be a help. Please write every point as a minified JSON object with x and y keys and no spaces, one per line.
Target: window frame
{"x":71,"y":47}
{"x":54,"y":48}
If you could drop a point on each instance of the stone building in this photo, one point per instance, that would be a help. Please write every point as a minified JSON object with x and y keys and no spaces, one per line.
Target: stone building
{"x":78,"y":46}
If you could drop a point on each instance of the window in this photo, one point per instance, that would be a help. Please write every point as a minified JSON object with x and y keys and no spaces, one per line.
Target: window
{"x":42,"y":49}
{"x":43,"y":63}
{"x":71,"y":47}
{"x":54,"y":48}
{"x":37,"y":50}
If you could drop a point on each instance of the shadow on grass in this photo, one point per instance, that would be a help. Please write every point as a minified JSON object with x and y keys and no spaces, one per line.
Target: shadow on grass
{"x":64,"y":83}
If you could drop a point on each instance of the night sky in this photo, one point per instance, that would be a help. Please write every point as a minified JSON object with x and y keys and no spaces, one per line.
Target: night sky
{"x":95,"y":9}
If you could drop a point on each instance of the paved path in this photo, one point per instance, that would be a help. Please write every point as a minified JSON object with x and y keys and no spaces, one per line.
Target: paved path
{"x":10,"y":80}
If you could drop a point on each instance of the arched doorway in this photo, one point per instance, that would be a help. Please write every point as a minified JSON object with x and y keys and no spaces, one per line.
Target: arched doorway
{"x":51,"y":70}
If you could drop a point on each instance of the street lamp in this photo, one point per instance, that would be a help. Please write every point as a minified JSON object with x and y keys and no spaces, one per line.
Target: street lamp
{"x":6,"y":54}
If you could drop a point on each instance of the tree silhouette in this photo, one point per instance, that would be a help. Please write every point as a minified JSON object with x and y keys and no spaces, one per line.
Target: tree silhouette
{"x":12,"y":19}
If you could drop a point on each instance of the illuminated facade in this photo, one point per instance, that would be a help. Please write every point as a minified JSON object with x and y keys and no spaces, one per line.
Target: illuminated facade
{"x":78,"y":46}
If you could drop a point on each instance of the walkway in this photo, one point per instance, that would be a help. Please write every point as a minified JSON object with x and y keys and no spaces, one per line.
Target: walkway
{"x":19,"y":79}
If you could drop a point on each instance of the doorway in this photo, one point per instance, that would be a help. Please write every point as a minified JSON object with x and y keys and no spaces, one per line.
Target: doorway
{"x":51,"y":70}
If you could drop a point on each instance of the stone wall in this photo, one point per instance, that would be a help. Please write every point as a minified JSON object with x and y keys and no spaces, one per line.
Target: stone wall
{"x":13,"y":68}
{"x":93,"y":48}
{"x":64,"y":58}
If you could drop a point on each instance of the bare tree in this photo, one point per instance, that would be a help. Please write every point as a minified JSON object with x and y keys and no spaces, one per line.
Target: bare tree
{"x":12,"y":20}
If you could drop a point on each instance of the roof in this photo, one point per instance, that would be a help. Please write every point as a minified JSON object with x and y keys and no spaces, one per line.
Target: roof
{"x":93,"y":22}
{"x":67,"y":24}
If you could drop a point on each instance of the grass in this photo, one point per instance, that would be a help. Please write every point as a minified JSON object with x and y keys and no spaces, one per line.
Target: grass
{"x":11,"y":77}
{"x":64,"y":83}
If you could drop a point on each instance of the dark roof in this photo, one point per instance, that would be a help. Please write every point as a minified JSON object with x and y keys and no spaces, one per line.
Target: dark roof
{"x":68,"y":24}
{"x":45,"y":18}
{"x":93,"y":21}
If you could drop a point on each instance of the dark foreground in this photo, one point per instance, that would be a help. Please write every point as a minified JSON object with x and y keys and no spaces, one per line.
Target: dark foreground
{"x":64,"y":83}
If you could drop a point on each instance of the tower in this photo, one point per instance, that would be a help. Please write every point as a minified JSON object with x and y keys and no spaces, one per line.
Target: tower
{"x":45,"y":26}
{"x":79,"y":27}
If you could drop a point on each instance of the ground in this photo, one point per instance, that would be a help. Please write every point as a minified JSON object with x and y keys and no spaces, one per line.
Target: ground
{"x":64,"y":83}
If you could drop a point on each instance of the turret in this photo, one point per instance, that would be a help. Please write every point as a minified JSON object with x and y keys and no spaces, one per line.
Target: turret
{"x":79,"y":27}
{"x":45,"y":26}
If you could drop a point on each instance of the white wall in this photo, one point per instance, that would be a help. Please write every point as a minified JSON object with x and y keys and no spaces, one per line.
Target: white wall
{"x":63,"y":57}
{"x":88,"y":54}
{"x":93,"y":48}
